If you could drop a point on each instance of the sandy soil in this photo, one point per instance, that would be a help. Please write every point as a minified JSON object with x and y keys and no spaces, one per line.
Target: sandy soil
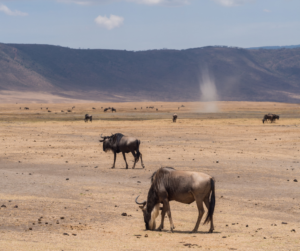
{"x":57,"y":191}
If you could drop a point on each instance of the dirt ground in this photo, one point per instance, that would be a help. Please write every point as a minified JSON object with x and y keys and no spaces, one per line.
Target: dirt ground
{"x":58,"y":192}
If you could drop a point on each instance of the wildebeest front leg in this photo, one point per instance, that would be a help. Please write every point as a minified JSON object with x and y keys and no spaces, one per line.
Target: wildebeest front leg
{"x":115,"y":156}
{"x":163,"y":213}
{"x":125,"y":160}
{"x":168,"y":210}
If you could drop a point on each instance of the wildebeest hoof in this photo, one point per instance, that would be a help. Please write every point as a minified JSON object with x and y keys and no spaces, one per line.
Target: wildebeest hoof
{"x":210,"y":230}
{"x":112,"y":167}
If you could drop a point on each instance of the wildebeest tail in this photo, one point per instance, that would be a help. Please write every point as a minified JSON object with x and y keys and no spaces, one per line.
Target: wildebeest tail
{"x":138,"y":154}
{"x":212,"y":202}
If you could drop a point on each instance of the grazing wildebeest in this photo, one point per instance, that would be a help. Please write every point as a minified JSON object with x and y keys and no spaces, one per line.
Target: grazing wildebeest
{"x":49,"y":111}
{"x":113,"y":110}
{"x":69,"y":110}
{"x":106,"y":109}
{"x":119,"y":143}
{"x":271,"y":117}
{"x":94,"y":108}
{"x":26,"y":108}
{"x":88,"y":117}
{"x":174,"y":117}
{"x":168,"y":184}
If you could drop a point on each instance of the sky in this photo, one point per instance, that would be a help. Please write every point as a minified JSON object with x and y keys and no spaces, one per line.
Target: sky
{"x":150,"y":24}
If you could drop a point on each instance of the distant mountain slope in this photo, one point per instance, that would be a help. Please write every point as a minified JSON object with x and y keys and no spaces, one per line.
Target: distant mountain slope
{"x":166,"y":75}
{"x":276,"y":47}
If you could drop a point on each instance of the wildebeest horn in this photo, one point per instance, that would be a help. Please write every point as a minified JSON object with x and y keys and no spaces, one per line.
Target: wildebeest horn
{"x":139,"y":203}
{"x":101,"y":136}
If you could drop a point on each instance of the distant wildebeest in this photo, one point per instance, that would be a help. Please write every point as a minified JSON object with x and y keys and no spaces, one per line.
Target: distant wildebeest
{"x":49,"y":111}
{"x":88,"y":117}
{"x":41,"y":108}
{"x":151,"y":107}
{"x":20,"y":108}
{"x":271,"y":117}
{"x":141,"y":107}
{"x":94,"y":108}
{"x":26,"y":108}
{"x":69,"y":111}
{"x":119,"y":143}
{"x":73,"y":107}
{"x":113,"y":110}
{"x":46,"y":108}
{"x":182,"y":106}
{"x":174,"y":117}
{"x":156,"y":109}
{"x":106,"y":109}
{"x":178,"y":108}
{"x":168,"y":184}
{"x":101,"y":107}
{"x":62,"y":111}
{"x":134,"y":108}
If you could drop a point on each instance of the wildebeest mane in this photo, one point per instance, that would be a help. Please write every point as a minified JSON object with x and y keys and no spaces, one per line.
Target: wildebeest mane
{"x":161,"y":171}
{"x":159,"y":180}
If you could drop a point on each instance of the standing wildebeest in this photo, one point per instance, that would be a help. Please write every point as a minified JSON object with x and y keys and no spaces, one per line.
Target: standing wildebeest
{"x":113,"y":110}
{"x":88,"y":117}
{"x":119,"y":143}
{"x":271,"y":117}
{"x":174,"y":117}
{"x":168,"y":184}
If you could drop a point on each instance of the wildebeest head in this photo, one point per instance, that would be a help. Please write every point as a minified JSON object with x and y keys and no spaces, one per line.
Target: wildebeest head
{"x":149,"y":217}
{"x":108,"y":142}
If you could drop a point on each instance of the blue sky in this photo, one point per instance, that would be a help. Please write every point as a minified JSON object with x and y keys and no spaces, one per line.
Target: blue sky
{"x":150,"y":24}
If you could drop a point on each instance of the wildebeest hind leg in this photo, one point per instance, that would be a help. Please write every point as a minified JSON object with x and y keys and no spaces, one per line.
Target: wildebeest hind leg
{"x":142,"y":161}
{"x":206,"y":201}
{"x":199,"y":202}
{"x":134,"y":156}
{"x":125,"y":160}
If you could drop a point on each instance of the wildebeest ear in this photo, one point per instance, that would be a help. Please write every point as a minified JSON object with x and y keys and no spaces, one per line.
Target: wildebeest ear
{"x":141,"y":207}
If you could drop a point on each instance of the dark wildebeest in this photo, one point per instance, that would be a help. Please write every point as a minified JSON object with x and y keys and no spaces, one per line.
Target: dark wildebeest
{"x":94,"y":108}
{"x":168,"y":184}
{"x":113,"y":110}
{"x":69,"y":110}
{"x":88,"y":117}
{"x":26,"y":108}
{"x":174,"y":117}
{"x":156,"y":109}
{"x":106,"y":109}
{"x":119,"y":143}
{"x":271,"y":117}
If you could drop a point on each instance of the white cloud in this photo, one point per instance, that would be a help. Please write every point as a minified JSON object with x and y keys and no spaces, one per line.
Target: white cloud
{"x":109,"y":22}
{"x":230,"y":3}
{"x":147,"y":2}
{"x":7,"y":11}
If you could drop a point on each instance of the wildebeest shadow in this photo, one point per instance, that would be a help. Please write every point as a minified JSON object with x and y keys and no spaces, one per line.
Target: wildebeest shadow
{"x":187,"y":232}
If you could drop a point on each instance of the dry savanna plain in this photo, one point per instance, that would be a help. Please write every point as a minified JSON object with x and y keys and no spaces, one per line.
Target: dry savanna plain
{"x":58,"y":191}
